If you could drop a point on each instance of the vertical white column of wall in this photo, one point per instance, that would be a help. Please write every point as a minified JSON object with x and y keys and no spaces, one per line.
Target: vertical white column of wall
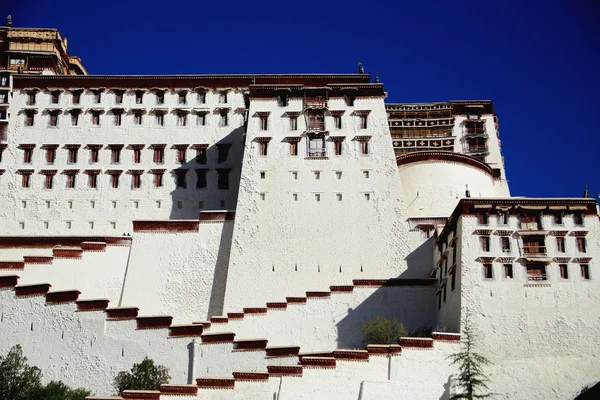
{"x":304,"y":224}
{"x":113,"y":209}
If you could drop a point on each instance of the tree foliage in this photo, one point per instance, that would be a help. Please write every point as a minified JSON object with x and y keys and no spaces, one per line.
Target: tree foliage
{"x":143,"y":376}
{"x":380,"y":330}
{"x":57,"y":390}
{"x":19,"y":381}
{"x":471,"y":380}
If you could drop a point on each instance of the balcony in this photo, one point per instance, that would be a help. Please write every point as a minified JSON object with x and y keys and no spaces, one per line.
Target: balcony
{"x":475,"y":132}
{"x":315,"y":103}
{"x":317,"y":153}
{"x":533,"y":250}
{"x":477,"y":149}
{"x":315,"y":126}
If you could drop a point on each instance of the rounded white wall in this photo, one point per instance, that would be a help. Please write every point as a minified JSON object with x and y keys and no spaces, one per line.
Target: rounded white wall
{"x":432,"y":188}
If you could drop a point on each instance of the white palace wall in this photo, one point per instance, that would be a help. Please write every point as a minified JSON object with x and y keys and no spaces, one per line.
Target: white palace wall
{"x":541,"y":336}
{"x":106,"y":210}
{"x":181,"y":274}
{"x":283,"y":247}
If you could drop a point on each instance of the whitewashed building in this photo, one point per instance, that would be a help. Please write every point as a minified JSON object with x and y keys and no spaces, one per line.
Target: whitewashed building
{"x":240,"y":229}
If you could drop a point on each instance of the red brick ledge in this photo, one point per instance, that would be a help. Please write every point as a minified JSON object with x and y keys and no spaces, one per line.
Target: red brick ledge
{"x":64,"y":296}
{"x":315,"y":354}
{"x":321,"y":362}
{"x":448,"y":337}
{"x":9,"y":281}
{"x":179,"y":389}
{"x":166,"y":226}
{"x":141,"y":394}
{"x":219,"y":320}
{"x":275,"y":305}
{"x":186,"y":330}
{"x":250,"y":344}
{"x":118,"y":240}
{"x":215,"y":382}
{"x":216,"y":216}
{"x":351,"y":354}
{"x":383,"y":349}
{"x":281,"y":370}
{"x":250,"y":376}
{"x":296,"y":299}
{"x":122,"y":312}
{"x":337,"y":289}
{"x":49,"y":242}
{"x":32,"y":290}
{"x":38,"y":259}
{"x":235,"y":315}
{"x":93,"y":246}
{"x":255,"y":310}
{"x":154,"y":322}
{"x":394,"y":282}
{"x":416,"y":342}
{"x":318,"y":294}
{"x":220,"y":337}
{"x":205,"y":324}
{"x":67,"y":252}
{"x":92,"y":305}
{"x":282,"y":351}
{"x":12,"y":264}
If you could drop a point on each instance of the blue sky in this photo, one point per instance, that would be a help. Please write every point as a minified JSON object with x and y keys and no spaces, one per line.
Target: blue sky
{"x":539,"y":61}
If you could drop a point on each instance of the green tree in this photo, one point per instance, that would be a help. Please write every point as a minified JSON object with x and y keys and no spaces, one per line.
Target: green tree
{"x":143,"y":376}
{"x":471,"y":380}
{"x":18,"y":380}
{"x":57,"y":390}
{"x":380,"y":330}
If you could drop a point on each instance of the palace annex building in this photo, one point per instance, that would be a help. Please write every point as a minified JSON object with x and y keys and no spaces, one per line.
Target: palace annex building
{"x":240,"y":229}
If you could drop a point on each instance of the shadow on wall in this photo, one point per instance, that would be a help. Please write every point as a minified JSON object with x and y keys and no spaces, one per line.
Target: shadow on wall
{"x":210,"y":180}
{"x":413,"y":306}
{"x":420,"y":261}
{"x":217,"y":295}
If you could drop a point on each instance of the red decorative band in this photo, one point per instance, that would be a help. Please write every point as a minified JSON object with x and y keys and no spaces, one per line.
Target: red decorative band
{"x":394,"y":282}
{"x":59,"y":252}
{"x":93,"y":246}
{"x":296,"y":299}
{"x":141,"y":394}
{"x":416,"y":342}
{"x":156,"y":322}
{"x":220,"y":320}
{"x":341,"y":288}
{"x":92,"y":305}
{"x":235,"y":315}
{"x":276,"y":305}
{"x":12,"y":264}
{"x":8,"y":281}
{"x":216,"y":216}
{"x":216,"y":383}
{"x":179,"y":389}
{"x":453,"y":337}
{"x":186,"y":330}
{"x":318,"y":294}
{"x":324,"y":362}
{"x":118,"y":240}
{"x":351,"y":354}
{"x":221,"y":337}
{"x":38,"y":259}
{"x":32,"y":290}
{"x":250,"y":376}
{"x":67,"y":296}
{"x":250,"y":344}
{"x":255,"y":310}
{"x":166,"y":226}
{"x":284,"y":369}
{"x":205,"y":324}
{"x":282,"y":351}
{"x":378,"y":349}
{"x":122,"y":313}
{"x":315,"y":354}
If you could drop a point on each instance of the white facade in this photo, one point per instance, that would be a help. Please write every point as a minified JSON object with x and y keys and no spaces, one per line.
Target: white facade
{"x":313,"y":229}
